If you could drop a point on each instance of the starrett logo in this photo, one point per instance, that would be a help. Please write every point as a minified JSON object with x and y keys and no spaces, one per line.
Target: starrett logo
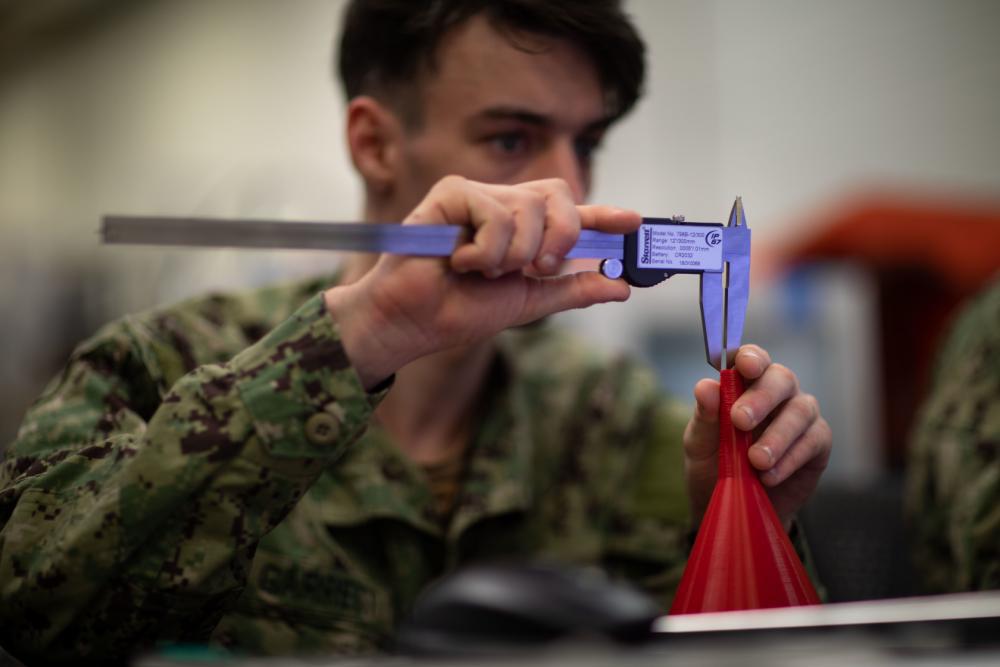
{"x":647,"y":245}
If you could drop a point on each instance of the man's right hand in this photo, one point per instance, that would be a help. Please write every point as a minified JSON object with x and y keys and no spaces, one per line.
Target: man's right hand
{"x":503,"y":276}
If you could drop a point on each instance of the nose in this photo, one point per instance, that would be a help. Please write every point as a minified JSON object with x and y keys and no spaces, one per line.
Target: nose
{"x":562,"y":161}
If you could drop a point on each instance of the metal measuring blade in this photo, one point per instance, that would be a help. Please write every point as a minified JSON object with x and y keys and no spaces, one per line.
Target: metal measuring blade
{"x":393,"y":238}
{"x":724,"y":293}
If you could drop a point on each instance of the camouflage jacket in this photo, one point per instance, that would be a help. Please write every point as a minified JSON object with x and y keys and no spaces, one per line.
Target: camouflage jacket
{"x":212,"y":472}
{"x":953,"y":475}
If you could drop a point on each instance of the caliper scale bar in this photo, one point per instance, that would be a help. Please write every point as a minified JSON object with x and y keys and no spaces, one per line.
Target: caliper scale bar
{"x":396,"y":239}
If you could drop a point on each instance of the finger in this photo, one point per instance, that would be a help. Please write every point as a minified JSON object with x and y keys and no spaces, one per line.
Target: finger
{"x":546,"y":296}
{"x":701,"y":436}
{"x":752,"y":361}
{"x":608,"y":219}
{"x":775,"y":386}
{"x":810,"y":452}
{"x":459,"y":201}
{"x":561,"y":226}
{"x":547,"y":223}
{"x":701,"y":446}
{"x":794,"y":418}
{"x":447,"y":202}
{"x":529,"y":209}
{"x":495,"y":226}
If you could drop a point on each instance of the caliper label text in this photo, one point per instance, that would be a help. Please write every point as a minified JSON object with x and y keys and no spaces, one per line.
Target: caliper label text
{"x":680,"y":247}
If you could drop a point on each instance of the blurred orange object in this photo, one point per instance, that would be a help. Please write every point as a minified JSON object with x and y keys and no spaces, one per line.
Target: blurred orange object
{"x":956,"y":239}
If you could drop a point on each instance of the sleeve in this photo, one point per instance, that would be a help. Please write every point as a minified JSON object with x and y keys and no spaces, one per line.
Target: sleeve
{"x":125,"y":519}
{"x":953,"y":471}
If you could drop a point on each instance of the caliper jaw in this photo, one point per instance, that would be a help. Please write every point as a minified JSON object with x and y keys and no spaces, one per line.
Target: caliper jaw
{"x":724,"y":293}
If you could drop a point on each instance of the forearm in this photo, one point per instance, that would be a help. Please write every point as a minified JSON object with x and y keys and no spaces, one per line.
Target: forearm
{"x":149,"y":533}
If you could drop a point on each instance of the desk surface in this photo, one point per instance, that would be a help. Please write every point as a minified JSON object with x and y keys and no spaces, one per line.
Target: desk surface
{"x":959,"y":607}
{"x":961,"y":630}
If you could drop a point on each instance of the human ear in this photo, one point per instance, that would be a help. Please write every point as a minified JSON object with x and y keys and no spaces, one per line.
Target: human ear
{"x":373,"y":134}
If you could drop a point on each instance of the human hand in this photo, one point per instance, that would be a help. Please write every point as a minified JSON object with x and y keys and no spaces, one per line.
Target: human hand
{"x":791,"y":440}
{"x":503,"y":276}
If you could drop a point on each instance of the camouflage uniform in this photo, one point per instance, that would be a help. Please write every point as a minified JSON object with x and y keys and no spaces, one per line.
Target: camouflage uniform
{"x":953,"y":485}
{"x":212,"y":471}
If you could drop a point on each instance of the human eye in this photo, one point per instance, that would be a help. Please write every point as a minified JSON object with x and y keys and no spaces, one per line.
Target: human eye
{"x":509,"y":144}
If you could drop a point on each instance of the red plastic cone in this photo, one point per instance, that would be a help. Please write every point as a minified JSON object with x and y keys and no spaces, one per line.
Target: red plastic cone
{"x":742,"y":558}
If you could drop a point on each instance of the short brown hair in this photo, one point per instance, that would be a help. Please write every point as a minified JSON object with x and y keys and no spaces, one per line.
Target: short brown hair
{"x":386,"y":44}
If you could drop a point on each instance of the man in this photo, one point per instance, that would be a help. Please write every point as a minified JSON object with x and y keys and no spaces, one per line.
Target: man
{"x":280,"y":473}
{"x":953,"y":466}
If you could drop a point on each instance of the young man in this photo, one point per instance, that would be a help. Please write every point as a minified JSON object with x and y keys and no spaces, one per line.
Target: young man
{"x":284,"y":471}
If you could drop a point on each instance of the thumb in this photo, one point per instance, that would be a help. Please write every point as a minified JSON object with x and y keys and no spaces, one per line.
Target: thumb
{"x":701,"y":437}
{"x":579,"y":290}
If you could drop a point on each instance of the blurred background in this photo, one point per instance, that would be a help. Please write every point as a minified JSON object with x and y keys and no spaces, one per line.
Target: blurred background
{"x":863,"y":135}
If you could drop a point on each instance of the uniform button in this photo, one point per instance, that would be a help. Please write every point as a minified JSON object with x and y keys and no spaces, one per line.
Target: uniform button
{"x":322,"y":428}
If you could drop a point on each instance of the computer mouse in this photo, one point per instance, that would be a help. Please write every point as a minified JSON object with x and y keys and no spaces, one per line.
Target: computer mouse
{"x":499,"y":607}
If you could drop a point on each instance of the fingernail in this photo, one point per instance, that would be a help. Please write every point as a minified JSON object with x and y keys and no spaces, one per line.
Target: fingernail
{"x":493,"y":273}
{"x":548,"y":262}
{"x":745,"y":409}
{"x":770,"y":455}
{"x":756,"y":357}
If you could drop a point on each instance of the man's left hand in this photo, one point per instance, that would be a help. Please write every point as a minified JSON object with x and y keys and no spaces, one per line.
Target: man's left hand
{"x":791,"y":443}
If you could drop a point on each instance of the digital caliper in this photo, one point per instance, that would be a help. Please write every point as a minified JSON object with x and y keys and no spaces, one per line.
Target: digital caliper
{"x":660,"y":248}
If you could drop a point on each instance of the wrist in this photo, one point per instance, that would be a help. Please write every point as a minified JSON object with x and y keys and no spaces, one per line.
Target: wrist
{"x":361,"y":335}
